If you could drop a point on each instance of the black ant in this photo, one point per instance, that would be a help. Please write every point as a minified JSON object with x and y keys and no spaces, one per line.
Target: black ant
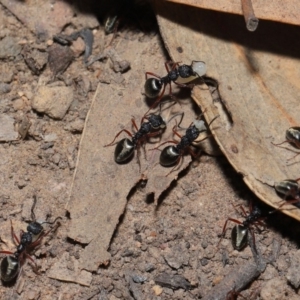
{"x":292,"y":136}
{"x":11,"y":264}
{"x":233,"y":295}
{"x":239,"y":233}
{"x":288,"y":188}
{"x":125,"y":147}
{"x":155,"y":87}
{"x":171,"y":155}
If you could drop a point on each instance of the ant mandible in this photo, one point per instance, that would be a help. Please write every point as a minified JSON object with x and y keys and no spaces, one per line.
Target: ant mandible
{"x":292,"y":136}
{"x":155,"y":87}
{"x":239,"y":233}
{"x":171,"y":155}
{"x":11,"y":264}
{"x":125,"y":147}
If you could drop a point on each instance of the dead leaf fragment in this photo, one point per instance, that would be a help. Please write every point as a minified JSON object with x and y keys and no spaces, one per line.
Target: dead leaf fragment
{"x":277,"y":10}
{"x":258,"y":89}
{"x":101,"y":186}
{"x":67,"y":269}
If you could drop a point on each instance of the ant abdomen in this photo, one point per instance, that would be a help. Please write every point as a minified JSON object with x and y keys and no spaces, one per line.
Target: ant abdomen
{"x":293,"y":134}
{"x":152,"y":87}
{"x":124,"y":150}
{"x":239,"y":237}
{"x":288,"y":188}
{"x":169,"y":156}
{"x":10,"y":266}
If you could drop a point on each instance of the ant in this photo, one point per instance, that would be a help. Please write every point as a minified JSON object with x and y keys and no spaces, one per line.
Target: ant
{"x":233,"y":295}
{"x":239,"y":233}
{"x":11,"y":264}
{"x":171,"y":155}
{"x":155,"y":87}
{"x":288,"y":188}
{"x":125,"y":147}
{"x":292,"y":136}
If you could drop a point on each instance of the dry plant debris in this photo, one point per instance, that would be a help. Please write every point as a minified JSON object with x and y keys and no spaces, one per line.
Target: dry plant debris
{"x":257,"y":77}
{"x":99,"y":180}
{"x":285,"y":12}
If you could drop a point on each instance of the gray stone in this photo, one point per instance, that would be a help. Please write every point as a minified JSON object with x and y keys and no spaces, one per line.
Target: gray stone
{"x":7,"y":129}
{"x":293,"y":274}
{"x":9,"y":47}
{"x":4,"y":88}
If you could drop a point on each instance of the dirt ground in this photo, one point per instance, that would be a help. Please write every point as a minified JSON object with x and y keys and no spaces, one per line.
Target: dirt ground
{"x":164,"y":251}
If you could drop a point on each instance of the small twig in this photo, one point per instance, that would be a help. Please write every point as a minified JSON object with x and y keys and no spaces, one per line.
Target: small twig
{"x":236,"y":280}
{"x":261,"y":263}
{"x":250,"y":18}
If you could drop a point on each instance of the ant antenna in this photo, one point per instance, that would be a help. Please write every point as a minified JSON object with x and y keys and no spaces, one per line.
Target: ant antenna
{"x":217,"y":116}
{"x":174,"y":116}
{"x":32,"y":208}
{"x":51,"y":223}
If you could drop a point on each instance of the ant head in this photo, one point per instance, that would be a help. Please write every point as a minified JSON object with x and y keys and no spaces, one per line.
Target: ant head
{"x":156,"y":121}
{"x":35,"y":228}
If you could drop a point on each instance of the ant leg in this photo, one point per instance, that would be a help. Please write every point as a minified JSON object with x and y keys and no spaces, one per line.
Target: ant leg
{"x":151,"y":74}
{"x":244,"y":213}
{"x":177,"y":165}
{"x":156,"y":148}
{"x":123,"y":130}
{"x":7,"y":252}
{"x":298,"y":153}
{"x":225,"y":227}
{"x":184,"y":85}
{"x":134,"y":124}
{"x":280,"y":143}
{"x":260,"y":223}
{"x":250,"y":209}
{"x":253,"y":239}
{"x":193,"y":154}
{"x":15,"y":238}
{"x":174,"y":65}
{"x":285,"y":203}
{"x":38,"y":241}
{"x":175,"y":132}
{"x":174,"y":116}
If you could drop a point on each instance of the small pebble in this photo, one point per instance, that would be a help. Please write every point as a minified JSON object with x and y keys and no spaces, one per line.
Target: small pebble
{"x":157,"y":290}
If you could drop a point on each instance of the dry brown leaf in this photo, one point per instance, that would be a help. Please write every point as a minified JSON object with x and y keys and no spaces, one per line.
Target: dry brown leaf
{"x":258,"y":77}
{"x":101,"y":186}
{"x":277,"y":10}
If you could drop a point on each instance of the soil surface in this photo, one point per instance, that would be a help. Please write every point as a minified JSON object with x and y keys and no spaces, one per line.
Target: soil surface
{"x":165,"y":249}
